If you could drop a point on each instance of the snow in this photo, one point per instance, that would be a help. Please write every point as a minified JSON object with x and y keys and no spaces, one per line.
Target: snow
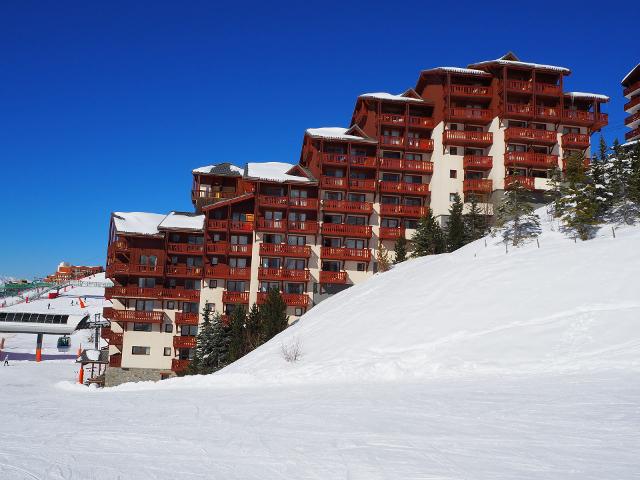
{"x":513,"y":63}
{"x":140,"y":223}
{"x":337,"y":133}
{"x":591,"y":96}
{"x":389,"y":96}
{"x":631,"y":72}
{"x":480,"y":364}
{"x":275,"y":171}
{"x":463,"y":71}
{"x":209,"y":168}
{"x":629,"y":144}
{"x":182,"y":221}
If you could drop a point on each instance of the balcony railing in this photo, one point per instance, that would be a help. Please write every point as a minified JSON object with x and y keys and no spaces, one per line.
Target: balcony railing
{"x":422,"y":144}
{"x":364,"y":162}
{"x":290,"y":299}
{"x":405,"y":188}
{"x":393,"y":119}
{"x":421,"y":122}
{"x":477,"y":185}
{"x":284,"y":250}
{"x":343,"y":229}
{"x":235,"y":297}
{"x":240,"y":250}
{"x":392,"y":141}
{"x":477,"y":162}
{"x":519,"y":110}
{"x":632,"y":118}
{"x":411,"y":120}
{"x":283,"y":274}
{"x":186,"y":248}
{"x":179,"y":365}
{"x":132,"y":315}
{"x":530,"y":135}
{"x":134,"y":269}
{"x":184,"y":271}
{"x":387,"y":209}
{"x":519,"y":86}
{"x":303,"y":202}
{"x":335,"y":159}
{"x":575,"y":140}
{"x":470,"y":114}
{"x":634,"y":102}
{"x":582,"y":117}
{"x":632,"y":134}
{"x":180,"y":294}
{"x":183,"y":318}
{"x":390,"y":233}
{"x":547,"y":113}
{"x":184,"y":341}
{"x":631,"y":88}
{"x":362,"y":184}
{"x":333,"y":277}
{"x":119,"y":246}
{"x":337,"y":183}
{"x":272,"y":201}
{"x":527,"y":182}
{"x":461,"y":137}
{"x":217,"y":248}
{"x":240,"y":226}
{"x":217,"y":225}
{"x":266,"y":225}
{"x":132,"y":292}
{"x":344,"y":253}
{"x":347,"y":206}
{"x":548,"y":89}
{"x":224,"y":271}
{"x":530,"y":159}
{"x":475,"y":91}
{"x":306,"y":227}
{"x":419,"y":166}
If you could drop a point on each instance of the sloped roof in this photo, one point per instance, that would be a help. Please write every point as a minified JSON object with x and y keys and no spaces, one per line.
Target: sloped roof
{"x":221,"y":169}
{"x":182,"y":221}
{"x":628,"y":75}
{"x":587,"y":96}
{"x":409,"y":95}
{"x":351,"y":134}
{"x":138,"y":223}
{"x":511,"y":59}
{"x":274,"y":171}
{"x":458,"y":70}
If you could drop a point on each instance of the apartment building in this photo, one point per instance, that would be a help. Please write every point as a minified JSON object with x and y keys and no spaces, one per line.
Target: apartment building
{"x":313,"y":228}
{"x":631,"y":90}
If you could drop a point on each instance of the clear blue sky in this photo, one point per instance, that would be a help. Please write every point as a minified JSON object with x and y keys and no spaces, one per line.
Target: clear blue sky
{"x":107,"y":106}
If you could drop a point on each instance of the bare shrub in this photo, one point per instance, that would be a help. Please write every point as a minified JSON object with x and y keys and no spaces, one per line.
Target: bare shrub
{"x":292,"y":351}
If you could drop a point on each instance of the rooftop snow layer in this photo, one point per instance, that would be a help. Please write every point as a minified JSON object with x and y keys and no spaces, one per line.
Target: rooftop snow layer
{"x":514,"y":63}
{"x":390,"y":96}
{"x":141,"y":223}
{"x":630,"y":73}
{"x":276,"y":171}
{"x":220,"y":169}
{"x":464,"y":71}
{"x":337,"y":133}
{"x":183,"y":221}
{"x":591,"y":96}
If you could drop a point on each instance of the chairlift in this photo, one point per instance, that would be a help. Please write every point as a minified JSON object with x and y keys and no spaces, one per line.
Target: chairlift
{"x":64,"y":343}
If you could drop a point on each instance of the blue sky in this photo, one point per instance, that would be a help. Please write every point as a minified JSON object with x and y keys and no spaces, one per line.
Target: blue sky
{"x":107,"y":106}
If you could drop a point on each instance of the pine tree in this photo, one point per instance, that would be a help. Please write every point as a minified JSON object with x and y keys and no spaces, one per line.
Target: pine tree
{"x":253,"y":329}
{"x":237,"y":334}
{"x":621,"y":185}
{"x":515,"y":215}
{"x":475,"y":222}
{"x":273,"y":313}
{"x":428,"y":238}
{"x":581,"y":214}
{"x":382,"y":257}
{"x":195,"y":364}
{"x":598,"y":172}
{"x":554,"y":193}
{"x":400,"y":250}
{"x":455,"y":225}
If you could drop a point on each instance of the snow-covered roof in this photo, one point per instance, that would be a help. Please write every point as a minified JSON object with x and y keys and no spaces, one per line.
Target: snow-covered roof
{"x":631,"y":72}
{"x":589,"y":96}
{"x":275,"y":171}
{"x":182,"y":221}
{"x":337,"y":133}
{"x":517,"y":63}
{"x":629,"y":144}
{"x":220,"y":169}
{"x":463,"y":71}
{"x":392,"y":97}
{"x":140,"y":223}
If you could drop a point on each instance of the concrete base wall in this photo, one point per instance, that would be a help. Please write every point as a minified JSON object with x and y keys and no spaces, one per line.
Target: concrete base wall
{"x":115,"y":376}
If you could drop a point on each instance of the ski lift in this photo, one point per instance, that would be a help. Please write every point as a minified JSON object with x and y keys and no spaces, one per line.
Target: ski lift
{"x":64,"y":343}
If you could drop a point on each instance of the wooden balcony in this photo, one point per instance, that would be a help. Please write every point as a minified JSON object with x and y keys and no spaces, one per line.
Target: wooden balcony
{"x":118,"y":246}
{"x":413,"y":121}
{"x":179,"y":365}
{"x":303,"y":203}
{"x":335,"y":159}
{"x":421,"y":122}
{"x":420,"y":144}
{"x":333,"y":183}
{"x":272,"y":201}
{"x":185,"y":248}
{"x":217,"y":225}
{"x":547,"y":89}
{"x":345,"y":206}
{"x":460,"y":137}
{"x":115,"y":360}
{"x":469,"y":91}
{"x":284,"y":250}
{"x":132,"y":315}
{"x":530,"y":159}
{"x":224,"y":271}
{"x":404,"y":188}
{"x":307,"y":227}
{"x":134,"y":269}
{"x":184,"y":271}
{"x":217,"y":248}
{"x":530,"y":135}
{"x":631,"y":104}
{"x":511,"y":180}
{"x":631,"y":88}
{"x":235,"y":297}
{"x":391,"y":141}
{"x":393,"y":119}
{"x":470,"y":115}
{"x":477,"y":162}
{"x":575,"y":140}
{"x":518,"y":110}
{"x":549,"y":114}
{"x":132,"y":292}
{"x":632,"y":119}
{"x":240,"y":250}
{"x":362,"y":184}
{"x":264,"y":225}
{"x":632,"y":134}
{"x":183,"y":318}
{"x":333,"y":277}
{"x":414,"y":211}
{"x":204,"y":197}
{"x":114,"y":339}
{"x":343,"y":253}
{"x":477,"y":185}
{"x":346,"y":230}
{"x":180,"y":294}
{"x":519,"y":86}
{"x":363,"y":162}
{"x":240,"y":226}
{"x":390,"y":233}
{"x":403,"y":165}
{"x":291,"y":299}
{"x":186,"y":341}
{"x":583,"y":118}
{"x":283,"y":274}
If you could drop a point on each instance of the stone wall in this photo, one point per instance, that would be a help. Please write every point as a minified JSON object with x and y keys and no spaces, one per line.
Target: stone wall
{"x":115,"y":376}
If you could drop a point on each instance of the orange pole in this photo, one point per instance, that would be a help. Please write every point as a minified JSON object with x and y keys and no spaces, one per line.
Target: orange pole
{"x":81,"y":375}
{"x":39,"y":347}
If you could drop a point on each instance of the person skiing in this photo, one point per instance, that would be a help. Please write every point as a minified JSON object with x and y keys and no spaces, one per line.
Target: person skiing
{"x":6,"y":360}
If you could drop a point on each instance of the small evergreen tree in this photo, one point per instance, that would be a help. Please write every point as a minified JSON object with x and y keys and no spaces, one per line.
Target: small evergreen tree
{"x":428,"y":238}
{"x":400,"y":250}
{"x":253,"y":329}
{"x":579,"y":207}
{"x":475,"y":222}
{"x":382,"y":257}
{"x":273,"y":313}
{"x":195,"y":364}
{"x":621,"y":174}
{"x":455,"y":225}
{"x":515,"y":215}
{"x":554,"y":193}
{"x":237,"y":334}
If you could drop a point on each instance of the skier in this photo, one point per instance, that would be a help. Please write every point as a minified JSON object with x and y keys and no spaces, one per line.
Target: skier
{"x":48,"y":306}
{"x":6,"y":360}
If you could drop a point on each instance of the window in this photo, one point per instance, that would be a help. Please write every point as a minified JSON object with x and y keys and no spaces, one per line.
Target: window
{"x":238,"y":262}
{"x":331,"y":218}
{"x":189,"y":307}
{"x":297,"y":216}
{"x":386,"y":200}
{"x":413,"y":156}
{"x":188,"y":330}
{"x":361,"y":267}
{"x":296,"y":240}
{"x":174,"y":237}
{"x":452,"y":197}
{"x":453,"y":126}
{"x":354,"y":243}
{"x":299,"y":193}
{"x":356,"y":197}
{"x":299,"y":312}
{"x":213,"y":283}
{"x":214,"y":261}
{"x":389,"y":222}
{"x":194,"y":261}
{"x":295,"y":264}
{"x":453,"y":174}
{"x":297,"y":288}
{"x":412,"y":179}
{"x":168,"y":328}
{"x":391,"y":154}
{"x":167,"y":351}
{"x":271,"y":262}
{"x":273,"y":215}
{"x":144,"y":305}
{"x":272,"y":238}
{"x":516,"y":148}
{"x":330,"y":266}
{"x":190,"y":284}
{"x":453,"y":150}
{"x":412,"y":201}
{"x":137,"y":350}
{"x":141,"y":327}
{"x":330,"y":242}
{"x":239,"y":240}
{"x":353,"y":220}
{"x":390,"y":177}
{"x":266,"y":286}
{"x":146,"y":282}
{"x":195,"y":240}
{"x":333,"y":195}
{"x":235,"y":286}
{"x":410,"y":223}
